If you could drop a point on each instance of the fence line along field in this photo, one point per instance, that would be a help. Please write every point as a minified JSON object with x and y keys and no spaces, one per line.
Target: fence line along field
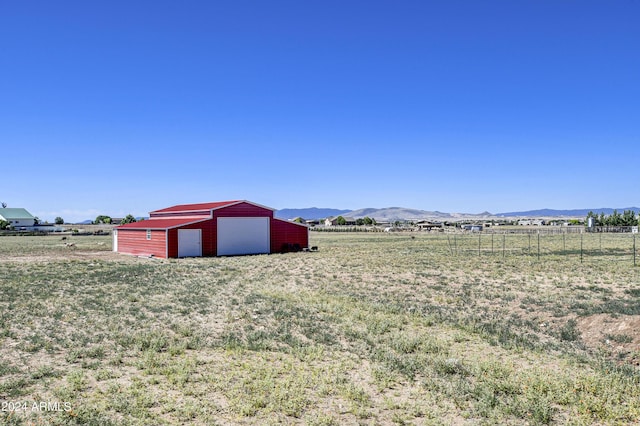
{"x":371,"y":329}
{"x":584,"y":247}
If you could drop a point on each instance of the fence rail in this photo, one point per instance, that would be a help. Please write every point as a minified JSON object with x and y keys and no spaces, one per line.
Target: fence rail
{"x":583,"y":246}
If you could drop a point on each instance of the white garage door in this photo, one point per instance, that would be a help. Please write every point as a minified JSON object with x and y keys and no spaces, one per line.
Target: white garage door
{"x":243,"y":235}
{"x":189,"y":242}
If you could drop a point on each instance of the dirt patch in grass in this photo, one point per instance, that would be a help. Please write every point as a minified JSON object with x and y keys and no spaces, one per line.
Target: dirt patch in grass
{"x":618,"y":335}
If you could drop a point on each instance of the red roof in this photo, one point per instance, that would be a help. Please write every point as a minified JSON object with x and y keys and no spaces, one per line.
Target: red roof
{"x":197,"y":207}
{"x":161,"y":223}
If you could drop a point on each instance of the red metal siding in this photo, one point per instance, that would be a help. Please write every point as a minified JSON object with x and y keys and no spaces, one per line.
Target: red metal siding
{"x":208,"y":238}
{"x":169,"y":215}
{"x":285,"y":235}
{"x":161,"y":223}
{"x":134,"y":241}
{"x":182,"y":208}
{"x":243,"y":210}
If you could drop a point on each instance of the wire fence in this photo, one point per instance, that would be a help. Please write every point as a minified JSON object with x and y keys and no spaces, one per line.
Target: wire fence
{"x":585,"y":247}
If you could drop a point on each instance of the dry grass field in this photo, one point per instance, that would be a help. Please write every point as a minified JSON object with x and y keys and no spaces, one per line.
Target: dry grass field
{"x":371,"y":329}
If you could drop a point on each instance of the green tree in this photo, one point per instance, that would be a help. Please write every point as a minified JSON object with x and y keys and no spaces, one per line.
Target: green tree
{"x":128,"y":219}
{"x":615,"y":219}
{"x":341,"y":220}
{"x":368,"y":221}
{"x":360,"y":222}
{"x":4,"y":224}
{"x":629,"y":218}
{"x":59,"y":221}
{"x":102,"y":219}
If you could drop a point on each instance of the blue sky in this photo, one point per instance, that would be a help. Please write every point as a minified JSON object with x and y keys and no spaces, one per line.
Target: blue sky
{"x":459,"y":106}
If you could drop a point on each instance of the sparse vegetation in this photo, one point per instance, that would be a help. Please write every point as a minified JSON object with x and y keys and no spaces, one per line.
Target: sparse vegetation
{"x":371,"y":329}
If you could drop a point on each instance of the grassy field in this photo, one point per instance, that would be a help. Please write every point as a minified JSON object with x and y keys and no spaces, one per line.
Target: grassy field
{"x":371,"y":329}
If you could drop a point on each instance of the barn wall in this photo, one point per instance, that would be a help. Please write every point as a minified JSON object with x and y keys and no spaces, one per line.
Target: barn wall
{"x":172,"y":243}
{"x":134,"y":241}
{"x":243,"y":210}
{"x":175,"y":215}
{"x":237,"y":210}
{"x":208,"y":238}
{"x":285,"y":235}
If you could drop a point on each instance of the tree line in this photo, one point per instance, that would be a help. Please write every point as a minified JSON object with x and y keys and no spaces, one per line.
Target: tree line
{"x":107,"y":220}
{"x":362,"y":221}
{"x":627,"y":218}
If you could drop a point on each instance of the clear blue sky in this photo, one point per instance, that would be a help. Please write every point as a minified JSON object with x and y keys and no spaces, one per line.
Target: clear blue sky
{"x":460,"y":106}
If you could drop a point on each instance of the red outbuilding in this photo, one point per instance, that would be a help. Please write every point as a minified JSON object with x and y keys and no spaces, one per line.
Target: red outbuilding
{"x":210,"y":229}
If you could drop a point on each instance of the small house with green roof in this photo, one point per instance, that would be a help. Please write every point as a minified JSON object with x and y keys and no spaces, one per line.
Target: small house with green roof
{"x":17,"y":217}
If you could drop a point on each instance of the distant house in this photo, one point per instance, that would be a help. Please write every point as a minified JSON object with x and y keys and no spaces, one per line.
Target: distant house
{"x":531,"y":222}
{"x":333,"y":221}
{"x":425,"y":225}
{"x":17,"y":218}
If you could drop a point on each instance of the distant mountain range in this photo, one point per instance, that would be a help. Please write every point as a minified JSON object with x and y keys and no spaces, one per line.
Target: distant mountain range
{"x":309,"y":213}
{"x":384,"y":214}
{"x":570,"y":213}
{"x":402,"y":213}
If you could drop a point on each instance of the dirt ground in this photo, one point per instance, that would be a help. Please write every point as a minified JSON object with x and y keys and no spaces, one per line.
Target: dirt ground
{"x":617,"y":335}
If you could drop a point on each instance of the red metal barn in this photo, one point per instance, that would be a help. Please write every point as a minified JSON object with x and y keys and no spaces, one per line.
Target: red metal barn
{"x":210,"y":229}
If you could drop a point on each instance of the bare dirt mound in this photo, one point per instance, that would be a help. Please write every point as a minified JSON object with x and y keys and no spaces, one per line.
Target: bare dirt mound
{"x":619,"y":335}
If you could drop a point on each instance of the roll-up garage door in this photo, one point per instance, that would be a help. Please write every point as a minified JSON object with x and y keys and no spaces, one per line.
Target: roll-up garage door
{"x":243,"y":235}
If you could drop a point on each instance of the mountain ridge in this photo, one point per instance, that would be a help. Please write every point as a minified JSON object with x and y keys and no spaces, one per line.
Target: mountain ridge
{"x":309,"y":213}
{"x":570,"y":212}
{"x":404,"y":213}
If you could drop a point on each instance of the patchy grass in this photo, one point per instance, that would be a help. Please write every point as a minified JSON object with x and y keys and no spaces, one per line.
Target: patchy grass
{"x":372,"y":329}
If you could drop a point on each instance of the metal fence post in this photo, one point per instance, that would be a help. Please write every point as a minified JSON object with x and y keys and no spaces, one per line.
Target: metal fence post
{"x":455,"y":243}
